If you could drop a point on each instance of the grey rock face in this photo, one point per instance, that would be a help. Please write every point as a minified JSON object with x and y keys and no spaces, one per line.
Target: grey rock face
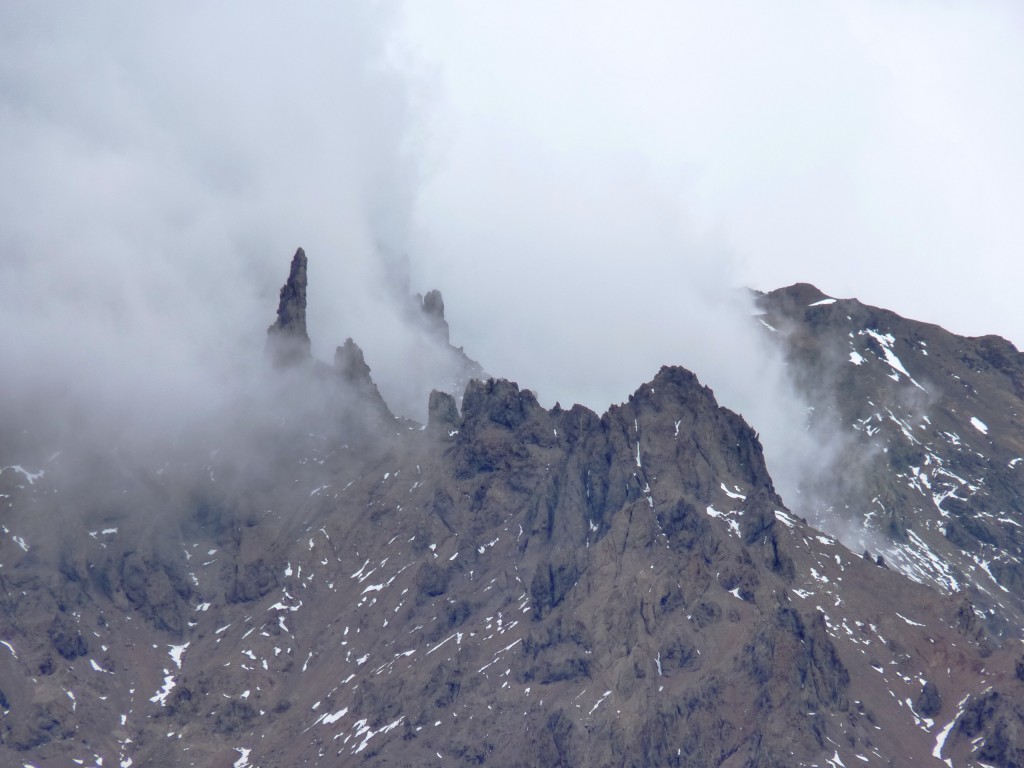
{"x":351,"y":364}
{"x":929,"y":703}
{"x":442,"y":413}
{"x":364,"y":409}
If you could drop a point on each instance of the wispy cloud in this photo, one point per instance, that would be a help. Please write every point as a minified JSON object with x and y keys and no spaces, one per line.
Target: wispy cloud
{"x":590,"y":190}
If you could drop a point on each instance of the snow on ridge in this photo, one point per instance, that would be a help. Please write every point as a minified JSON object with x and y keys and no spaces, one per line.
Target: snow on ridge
{"x":822,"y":302}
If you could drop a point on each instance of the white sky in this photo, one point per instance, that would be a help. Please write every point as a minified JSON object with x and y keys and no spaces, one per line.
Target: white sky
{"x":586,"y":182}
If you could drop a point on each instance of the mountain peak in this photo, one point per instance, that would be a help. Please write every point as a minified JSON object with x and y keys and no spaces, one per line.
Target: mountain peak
{"x":798,"y":295}
{"x":287,"y":340}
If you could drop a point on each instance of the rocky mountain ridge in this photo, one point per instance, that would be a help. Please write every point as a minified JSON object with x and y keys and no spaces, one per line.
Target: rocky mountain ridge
{"x":933,"y":433}
{"x":510,"y":585}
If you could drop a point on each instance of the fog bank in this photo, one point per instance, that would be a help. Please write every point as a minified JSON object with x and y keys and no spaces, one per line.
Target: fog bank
{"x":591,"y":191}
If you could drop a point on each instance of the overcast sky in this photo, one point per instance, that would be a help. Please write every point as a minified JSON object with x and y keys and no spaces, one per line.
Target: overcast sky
{"x":872,"y":148}
{"x":586,"y":182}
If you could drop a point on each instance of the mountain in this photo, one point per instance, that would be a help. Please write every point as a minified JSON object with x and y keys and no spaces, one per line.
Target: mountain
{"x":932,"y":442}
{"x":510,"y":585}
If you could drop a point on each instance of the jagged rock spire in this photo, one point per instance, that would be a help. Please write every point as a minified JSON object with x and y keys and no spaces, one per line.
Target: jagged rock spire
{"x":433,"y":309}
{"x":287,"y":340}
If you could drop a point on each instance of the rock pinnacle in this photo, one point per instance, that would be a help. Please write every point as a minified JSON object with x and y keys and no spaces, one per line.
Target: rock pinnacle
{"x":287,"y":340}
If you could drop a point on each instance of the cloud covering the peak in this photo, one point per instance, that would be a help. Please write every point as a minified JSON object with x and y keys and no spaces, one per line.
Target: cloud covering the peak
{"x":591,"y":190}
{"x":870,"y":148}
{"x":613,"y":179}
{"x":161,"y":166}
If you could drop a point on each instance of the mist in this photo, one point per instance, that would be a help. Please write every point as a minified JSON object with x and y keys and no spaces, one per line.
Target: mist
{"x":611,"y":181}
{"x":592,"y":192}
{"x":869,"y":148}
{"x":161,"y":166}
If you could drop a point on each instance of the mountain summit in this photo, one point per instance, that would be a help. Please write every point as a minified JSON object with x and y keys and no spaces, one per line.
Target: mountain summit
{"x":509,"y":585}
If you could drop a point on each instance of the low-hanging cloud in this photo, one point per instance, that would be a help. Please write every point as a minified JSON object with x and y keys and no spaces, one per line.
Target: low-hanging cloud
{"x":160,"y":167}
{"x":613,"y":179}
{"x":870,"y":148}
{"x":591,"y":191}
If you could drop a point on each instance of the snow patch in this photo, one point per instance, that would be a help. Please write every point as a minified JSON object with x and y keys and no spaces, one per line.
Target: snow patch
{"x":177,"y":651}
{"x":160,"y":697}
{"x":733,"y":494}
{"x":886,"y":341}
{"x":335,"y":717}
{"x":600,"y":701}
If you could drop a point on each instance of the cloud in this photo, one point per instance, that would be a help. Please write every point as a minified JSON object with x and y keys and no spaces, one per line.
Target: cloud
{"x":590,"y":190}
{"x":161,"y":165}
{"x":871,"y":148}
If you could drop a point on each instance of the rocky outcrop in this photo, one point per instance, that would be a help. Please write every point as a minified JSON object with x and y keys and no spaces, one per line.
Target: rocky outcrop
{"x":990,"y":729}
{"x":351,"y":365}
{"x":433,"y":312}
{"x":453,"y":368}
{"x":287,"y":340}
